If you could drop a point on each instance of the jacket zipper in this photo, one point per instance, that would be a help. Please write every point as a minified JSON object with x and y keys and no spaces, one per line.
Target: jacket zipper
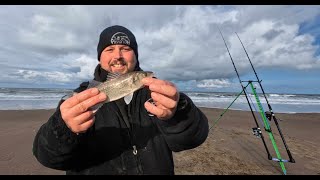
{"x":134,"y":147}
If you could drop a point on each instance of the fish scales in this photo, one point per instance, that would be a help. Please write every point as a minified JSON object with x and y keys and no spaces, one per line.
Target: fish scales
{"x":123,"y":85}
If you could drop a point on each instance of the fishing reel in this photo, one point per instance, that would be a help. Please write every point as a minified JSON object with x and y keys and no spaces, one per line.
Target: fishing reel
{"x":268,"y":115}
{"x":257,"y":132}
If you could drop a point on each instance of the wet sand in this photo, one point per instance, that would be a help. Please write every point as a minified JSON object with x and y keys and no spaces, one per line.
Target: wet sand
{"x":231,"y":147}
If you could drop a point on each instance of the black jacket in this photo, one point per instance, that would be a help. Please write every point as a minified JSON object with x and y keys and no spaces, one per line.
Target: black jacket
{"x":108,"y":147}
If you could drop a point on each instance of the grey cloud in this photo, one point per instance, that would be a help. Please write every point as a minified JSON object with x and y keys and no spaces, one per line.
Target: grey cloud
{"x":272,"y":34}
{"x":176,"y":42}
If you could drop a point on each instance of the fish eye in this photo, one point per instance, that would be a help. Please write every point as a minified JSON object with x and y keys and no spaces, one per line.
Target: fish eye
{"x":135,"y":78}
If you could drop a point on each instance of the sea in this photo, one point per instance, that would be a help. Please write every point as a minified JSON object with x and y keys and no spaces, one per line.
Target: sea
{"x":41,"y":98}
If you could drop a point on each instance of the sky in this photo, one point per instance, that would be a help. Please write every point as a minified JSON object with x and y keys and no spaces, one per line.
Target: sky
{"x":55,"y":46}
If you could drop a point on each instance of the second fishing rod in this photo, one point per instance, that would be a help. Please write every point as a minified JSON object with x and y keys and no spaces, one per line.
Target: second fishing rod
{"x":271,"y":115}
{"x":257,"y":130}
{"x":245,"y":93}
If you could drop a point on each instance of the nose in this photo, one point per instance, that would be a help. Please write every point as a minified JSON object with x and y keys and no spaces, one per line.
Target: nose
{"x":117,"y":53}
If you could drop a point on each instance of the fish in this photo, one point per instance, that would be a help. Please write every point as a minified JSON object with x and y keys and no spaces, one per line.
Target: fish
{"x":119,"y":86}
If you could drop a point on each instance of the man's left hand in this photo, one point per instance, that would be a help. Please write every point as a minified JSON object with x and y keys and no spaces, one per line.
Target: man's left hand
{"x":165,"y":96}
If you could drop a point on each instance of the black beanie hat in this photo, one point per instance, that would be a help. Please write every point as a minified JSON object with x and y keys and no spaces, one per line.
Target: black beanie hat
{"x":117,"y":35}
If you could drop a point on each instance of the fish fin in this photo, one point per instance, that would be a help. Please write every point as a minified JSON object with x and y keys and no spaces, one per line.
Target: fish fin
{"x":93,"y":83}
{"x":128,"y":98}
{"x":112,"y":76}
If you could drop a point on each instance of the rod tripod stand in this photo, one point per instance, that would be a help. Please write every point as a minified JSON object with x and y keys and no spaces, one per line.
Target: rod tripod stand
{"x":264,"y":115}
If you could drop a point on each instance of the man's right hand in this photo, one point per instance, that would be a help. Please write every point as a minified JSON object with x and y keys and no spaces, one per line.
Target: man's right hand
{"x":75,"y":110}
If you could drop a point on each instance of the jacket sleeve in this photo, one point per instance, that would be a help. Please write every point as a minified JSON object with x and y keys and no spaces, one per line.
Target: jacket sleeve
{"x":187,"y":129}
{"x":55,"y":146}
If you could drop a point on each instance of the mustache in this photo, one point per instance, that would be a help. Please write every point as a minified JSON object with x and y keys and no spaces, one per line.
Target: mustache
{"x":117,"y":61}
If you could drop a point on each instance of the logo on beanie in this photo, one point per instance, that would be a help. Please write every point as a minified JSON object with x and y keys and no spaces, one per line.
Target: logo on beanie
{"x":120,"y":38}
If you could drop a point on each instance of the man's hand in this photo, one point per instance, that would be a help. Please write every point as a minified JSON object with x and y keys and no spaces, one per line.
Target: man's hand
{"x":165,"y":95}
{"x":75,"y":110}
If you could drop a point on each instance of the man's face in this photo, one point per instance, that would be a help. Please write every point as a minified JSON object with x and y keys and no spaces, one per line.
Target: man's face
{"x":118,"y":58}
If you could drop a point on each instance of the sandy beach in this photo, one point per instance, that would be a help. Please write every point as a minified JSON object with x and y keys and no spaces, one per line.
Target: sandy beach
{"x":230,"y":149}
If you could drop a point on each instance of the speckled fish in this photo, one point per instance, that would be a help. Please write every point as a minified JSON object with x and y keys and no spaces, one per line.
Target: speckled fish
{"x":120,"y":85}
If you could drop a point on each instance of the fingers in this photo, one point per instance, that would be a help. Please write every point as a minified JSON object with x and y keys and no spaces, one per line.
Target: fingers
{"x":166,"y":90}
{"x":162,"y":87}
{"x":86,"y":125}
{"x":81,"y":123}
{"x":80,"y":97}
{"x":163,"y":114}
{"x":75,"y":113}
{"x":165,"y":96}
{"x":148,"y":81}
{"x":84,"y":117}
{"x":163,"y":100}
{"x":85,"y":105}
{"x":81,"y":128}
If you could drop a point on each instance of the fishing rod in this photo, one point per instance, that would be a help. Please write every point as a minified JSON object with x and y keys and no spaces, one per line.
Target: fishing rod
{"x":257,"y":130}
{"x":269,"y":106}
{"x":268,"y":129}
{"x":226,"y":109}
{"x":245,"y":93}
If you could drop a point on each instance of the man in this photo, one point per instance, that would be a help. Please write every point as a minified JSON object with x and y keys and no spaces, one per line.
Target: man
{"x":137,"y":138}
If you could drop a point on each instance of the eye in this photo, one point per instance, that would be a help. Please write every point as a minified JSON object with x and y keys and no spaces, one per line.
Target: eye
{"x":135,"y":78}
{"x":127,"y":48}
{"x":108,"y":50}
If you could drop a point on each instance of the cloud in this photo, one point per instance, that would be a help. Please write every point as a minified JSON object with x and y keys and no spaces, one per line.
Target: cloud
{"x":84,"y":65}
{"x":56,"y":33}
{"x":190,"y":47}
{"x":57,"y":44}
{"x":50,"y":76}
{"x":213,"y":83}
{"x":72,"y":70}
